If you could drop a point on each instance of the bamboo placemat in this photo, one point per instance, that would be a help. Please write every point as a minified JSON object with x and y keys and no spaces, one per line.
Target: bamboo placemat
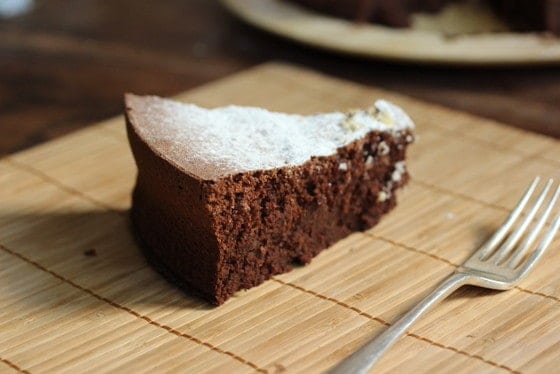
{"x":76,"y":294}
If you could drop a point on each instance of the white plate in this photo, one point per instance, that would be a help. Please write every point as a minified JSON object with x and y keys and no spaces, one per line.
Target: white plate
{"x":425,"y":42}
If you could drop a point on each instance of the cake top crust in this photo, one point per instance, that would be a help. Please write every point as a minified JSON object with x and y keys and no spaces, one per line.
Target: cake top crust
{"x":213,"y":143}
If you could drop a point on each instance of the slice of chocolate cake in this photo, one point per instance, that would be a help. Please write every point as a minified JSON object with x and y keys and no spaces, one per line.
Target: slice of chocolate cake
{"x":225,"y":198}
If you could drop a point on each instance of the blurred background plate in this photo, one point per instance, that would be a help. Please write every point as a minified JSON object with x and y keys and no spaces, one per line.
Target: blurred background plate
{"x":464,"y":34}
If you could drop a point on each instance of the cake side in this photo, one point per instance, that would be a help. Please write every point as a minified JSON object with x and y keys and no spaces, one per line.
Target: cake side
{"x":171,"y":221}
{"x":268,"y":220}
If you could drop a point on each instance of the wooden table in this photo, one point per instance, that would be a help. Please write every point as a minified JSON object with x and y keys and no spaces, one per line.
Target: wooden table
{"x":66,"y":64}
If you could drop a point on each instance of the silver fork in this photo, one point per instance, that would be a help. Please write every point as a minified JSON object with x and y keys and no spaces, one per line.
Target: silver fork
{"x":500,"y":264}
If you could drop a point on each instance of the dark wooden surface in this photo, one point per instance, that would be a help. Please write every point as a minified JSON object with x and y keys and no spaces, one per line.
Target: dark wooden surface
{"x":66,"y":64}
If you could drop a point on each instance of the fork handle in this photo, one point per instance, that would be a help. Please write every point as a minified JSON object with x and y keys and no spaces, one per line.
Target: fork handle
{"x":364,"y":358}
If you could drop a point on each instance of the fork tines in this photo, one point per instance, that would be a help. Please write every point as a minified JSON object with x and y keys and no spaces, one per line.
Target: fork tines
{"x":502,"y":249}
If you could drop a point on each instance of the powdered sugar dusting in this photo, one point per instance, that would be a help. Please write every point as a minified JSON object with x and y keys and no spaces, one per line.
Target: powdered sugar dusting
{"x":232,"y":139}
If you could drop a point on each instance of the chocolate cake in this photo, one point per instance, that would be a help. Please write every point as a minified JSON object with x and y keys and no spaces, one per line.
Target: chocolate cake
{"x":225,"y":198}
{"x":522,"y":15}
{"x":394,"y":13}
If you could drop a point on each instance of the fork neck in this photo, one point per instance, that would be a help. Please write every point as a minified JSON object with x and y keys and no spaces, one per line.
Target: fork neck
{"x":452,"y":283}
